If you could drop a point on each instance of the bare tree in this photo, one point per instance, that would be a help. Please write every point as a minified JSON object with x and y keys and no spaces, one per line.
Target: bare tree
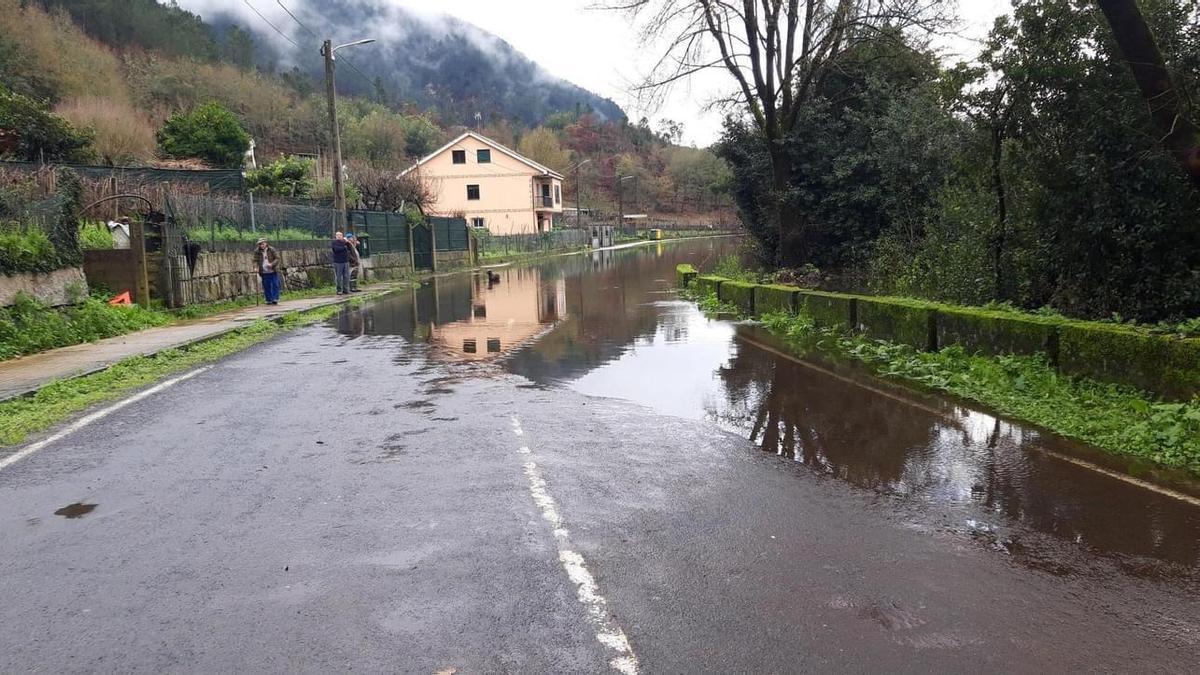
{"x":1180,"y":134}
{"x":778,"y":53}
{"x":419,"y":190}
{"x":385,"y":189}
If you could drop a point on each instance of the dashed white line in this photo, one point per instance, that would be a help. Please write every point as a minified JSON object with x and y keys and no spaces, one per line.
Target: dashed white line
{"x":93,"y":417}
{"x":608,"y":633}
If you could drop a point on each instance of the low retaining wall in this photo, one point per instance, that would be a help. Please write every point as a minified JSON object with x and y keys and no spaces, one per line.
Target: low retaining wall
{"x":57,"y":288}
{"x":1164,"y":365}
{"x":224,"y":276}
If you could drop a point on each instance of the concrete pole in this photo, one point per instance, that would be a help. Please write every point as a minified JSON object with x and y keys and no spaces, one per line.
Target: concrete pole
{"x":339,"y":195}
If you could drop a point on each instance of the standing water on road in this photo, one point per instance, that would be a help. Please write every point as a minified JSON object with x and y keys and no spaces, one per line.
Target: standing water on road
{"x":610,"y":324}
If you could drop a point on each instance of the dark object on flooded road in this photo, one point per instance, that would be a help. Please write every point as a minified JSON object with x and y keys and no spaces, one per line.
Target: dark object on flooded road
{"x":492,"y":277}
{"x":76,"y":510}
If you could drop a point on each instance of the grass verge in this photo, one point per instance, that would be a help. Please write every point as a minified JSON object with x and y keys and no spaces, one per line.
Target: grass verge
{"x":60,"y":400}
{"x":1114,"y":418}
{"x":1118,"y":419}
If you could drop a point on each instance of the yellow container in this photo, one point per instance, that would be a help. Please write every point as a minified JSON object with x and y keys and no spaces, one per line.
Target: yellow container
{"x":656,"y":234}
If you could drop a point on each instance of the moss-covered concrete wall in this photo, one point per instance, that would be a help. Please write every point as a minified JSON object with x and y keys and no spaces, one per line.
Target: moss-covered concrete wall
{"x":707,"y":283}
{"x":980,"y":331}
{"x":739,"y":294}
{"x":828,"y":310}
{"x":897,"y":320}
{"x":1163,"y":365}
{"x":772,"y":298}
{"x":684,"y":274}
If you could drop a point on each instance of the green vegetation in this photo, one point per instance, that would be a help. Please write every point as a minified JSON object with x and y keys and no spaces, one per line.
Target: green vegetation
{"x":51,"y":241}
{"x":211,"y":308}
{"x":56,"y":402}
{"x":29,"y":326}
{"x":93,"y":236}
{"x":287,"y":176}
{"x":210,"y":132}
{"x":40,"y":134}
{"x":1036,"y":175}
{"x":228,"y":233}
{"x":26,"y":251}
{"x":1116,"y":418}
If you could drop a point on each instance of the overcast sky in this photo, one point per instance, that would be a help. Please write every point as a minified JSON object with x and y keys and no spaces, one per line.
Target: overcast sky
{"x":599,"y":51}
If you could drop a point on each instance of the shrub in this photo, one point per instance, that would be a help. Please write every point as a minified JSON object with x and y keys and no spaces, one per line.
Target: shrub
{"x":39,"y":133}
{"x":209,"y":132}
{"x":123,"y":135}
{"x":26,"y":251}
{"x":287,"y":177}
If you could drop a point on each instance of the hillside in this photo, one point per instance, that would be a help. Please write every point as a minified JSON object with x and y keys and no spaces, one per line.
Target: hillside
{"x":434,"y":62}
{"x":106,"y":68}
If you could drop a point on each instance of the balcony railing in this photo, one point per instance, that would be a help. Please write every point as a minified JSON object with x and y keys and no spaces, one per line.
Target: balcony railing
{"x":543,"y":202}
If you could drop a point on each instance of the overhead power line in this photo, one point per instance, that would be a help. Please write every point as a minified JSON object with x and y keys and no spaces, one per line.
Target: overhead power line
{"x":308,"y":30}
{"x":273,"y":26}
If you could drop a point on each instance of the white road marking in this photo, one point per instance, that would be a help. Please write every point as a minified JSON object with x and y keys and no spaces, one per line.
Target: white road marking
{"x":608,"y":633}
{"x":93,"y":417}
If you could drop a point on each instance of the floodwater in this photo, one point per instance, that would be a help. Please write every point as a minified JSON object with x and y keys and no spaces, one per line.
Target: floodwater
{"x":610,"y":324}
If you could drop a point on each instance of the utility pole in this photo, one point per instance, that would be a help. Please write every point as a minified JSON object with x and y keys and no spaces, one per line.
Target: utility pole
{"x":339,"y":192}
{"x":339,"y":195}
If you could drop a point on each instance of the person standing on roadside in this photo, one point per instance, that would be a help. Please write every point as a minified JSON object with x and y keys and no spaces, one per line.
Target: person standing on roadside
{"x":355,"y":261}
{"x":341,"y":263}
{"x":266,"y":262}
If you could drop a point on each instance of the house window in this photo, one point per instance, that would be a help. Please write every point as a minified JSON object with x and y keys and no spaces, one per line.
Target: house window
{"x":557,"y":194}
{"x":459,"y":156}
{"x":478,"y":223}
{"x":493,"y":345}
{"x":472,"y":192}
{"x":469,"y":346}
{"x":483,"y":156}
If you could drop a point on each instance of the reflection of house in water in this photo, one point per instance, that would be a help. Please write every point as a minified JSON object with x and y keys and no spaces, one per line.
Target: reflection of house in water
{"x":505,"y":314}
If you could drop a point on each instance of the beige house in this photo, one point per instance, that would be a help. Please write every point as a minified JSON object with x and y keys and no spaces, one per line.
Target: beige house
{"x":491,"y":186}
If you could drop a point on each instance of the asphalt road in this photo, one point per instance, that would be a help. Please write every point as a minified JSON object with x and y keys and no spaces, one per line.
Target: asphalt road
{"x":327,"y":504}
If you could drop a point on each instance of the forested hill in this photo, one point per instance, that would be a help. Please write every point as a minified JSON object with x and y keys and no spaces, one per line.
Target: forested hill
{"x":432,"y":61}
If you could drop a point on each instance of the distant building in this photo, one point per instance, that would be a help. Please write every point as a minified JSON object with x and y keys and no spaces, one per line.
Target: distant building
{"x":492,"y":186}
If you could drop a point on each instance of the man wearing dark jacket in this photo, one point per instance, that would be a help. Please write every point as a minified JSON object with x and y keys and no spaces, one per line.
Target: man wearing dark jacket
{"x":266,"y":263}
{"x":341,"y":263}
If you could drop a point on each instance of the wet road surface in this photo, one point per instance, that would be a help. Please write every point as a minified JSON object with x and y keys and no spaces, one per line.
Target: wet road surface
{"x":573,"y":471}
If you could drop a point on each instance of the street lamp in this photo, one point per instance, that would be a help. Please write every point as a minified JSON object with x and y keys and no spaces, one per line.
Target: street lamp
{"x":578,"y":210}
{"x":621,"y":200}
{"x":339,"y":192}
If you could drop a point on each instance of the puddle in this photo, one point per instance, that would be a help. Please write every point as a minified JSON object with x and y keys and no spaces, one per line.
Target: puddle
{"x":607,"y":325}
{"x":76,"y":510}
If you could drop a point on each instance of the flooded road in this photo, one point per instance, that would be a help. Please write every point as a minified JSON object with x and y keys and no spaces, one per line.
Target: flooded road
{"x":611,"y":325}
{"x":566,"y":468}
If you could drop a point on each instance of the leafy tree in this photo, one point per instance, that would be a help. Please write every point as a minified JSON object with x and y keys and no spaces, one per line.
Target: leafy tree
{"x":30,"y":132}
{"x":378,"y":137}
{"x":238,"y":48}
{"x":542,"y":146}
{"x":209,"y":132}
{"x":421,"y":136}
{"x":286,"y":177}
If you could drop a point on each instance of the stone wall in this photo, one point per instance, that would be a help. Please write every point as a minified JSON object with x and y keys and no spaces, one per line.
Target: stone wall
{"x":223,"y":276}
{"x":57,"y":288}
